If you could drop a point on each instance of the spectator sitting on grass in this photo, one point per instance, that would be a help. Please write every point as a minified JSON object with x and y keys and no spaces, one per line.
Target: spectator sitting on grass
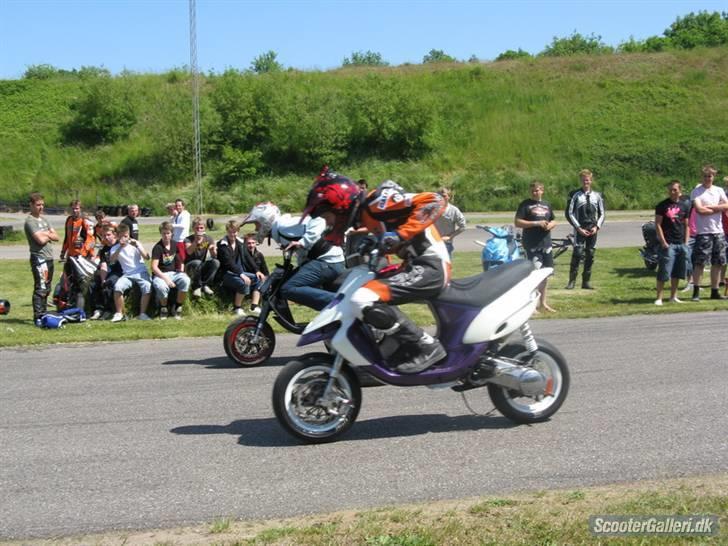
{"x":202,"y":264}
{"x":168,"y":271}
{"x":130,"y":254}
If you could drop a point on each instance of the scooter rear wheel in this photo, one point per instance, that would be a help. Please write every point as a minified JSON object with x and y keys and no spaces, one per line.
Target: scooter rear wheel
{"x":239,"y":346}
{"x":297,"y":400}
{"x":523,"y":409}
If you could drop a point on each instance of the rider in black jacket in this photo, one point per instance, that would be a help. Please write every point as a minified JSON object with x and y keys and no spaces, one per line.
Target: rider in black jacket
{"x":585,"y":211}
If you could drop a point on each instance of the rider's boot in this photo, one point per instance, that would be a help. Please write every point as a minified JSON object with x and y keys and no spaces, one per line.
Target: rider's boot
{"x":573,"y":272}
{"x":586,"y":276}
{"x":406,"y":347}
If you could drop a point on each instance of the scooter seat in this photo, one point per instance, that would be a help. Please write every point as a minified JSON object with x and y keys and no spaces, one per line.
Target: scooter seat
{"x":484,"y":288}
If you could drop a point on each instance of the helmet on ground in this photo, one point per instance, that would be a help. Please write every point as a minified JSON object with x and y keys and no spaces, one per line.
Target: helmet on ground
{"x":4,"y":307}
{"x":263,"y":215}
{"x":332,"y":192}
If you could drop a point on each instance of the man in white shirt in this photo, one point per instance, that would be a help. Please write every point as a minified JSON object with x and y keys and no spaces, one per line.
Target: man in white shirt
{"x":130,"y":254}
{"x":180,"y":228}
{"x":709,"y":202}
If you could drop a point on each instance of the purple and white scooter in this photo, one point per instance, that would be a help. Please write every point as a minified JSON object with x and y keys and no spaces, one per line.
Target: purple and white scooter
{"x":317,"y":397}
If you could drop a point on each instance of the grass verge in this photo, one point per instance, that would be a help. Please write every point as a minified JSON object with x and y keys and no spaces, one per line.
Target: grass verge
{"x":623,"y":287}
{"x":538,"y":517}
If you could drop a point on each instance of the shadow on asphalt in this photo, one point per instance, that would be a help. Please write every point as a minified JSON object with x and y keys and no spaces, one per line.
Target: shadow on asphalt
{"x":223,"y":362}
{"x":267,"y":432}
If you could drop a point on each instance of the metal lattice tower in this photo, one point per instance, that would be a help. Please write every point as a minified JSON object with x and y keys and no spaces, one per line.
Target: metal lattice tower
{"x":194,"y":72}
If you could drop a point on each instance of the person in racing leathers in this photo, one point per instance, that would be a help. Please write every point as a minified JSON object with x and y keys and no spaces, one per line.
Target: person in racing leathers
{"x":319,"y":255}
{"x":585,"y":212}
{"x":404,"y":225}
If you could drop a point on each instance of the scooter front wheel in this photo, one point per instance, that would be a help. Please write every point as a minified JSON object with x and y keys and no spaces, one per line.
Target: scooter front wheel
{"x":299,"y":404}
{"x":525,"y":409}
{"x":240,"y":345}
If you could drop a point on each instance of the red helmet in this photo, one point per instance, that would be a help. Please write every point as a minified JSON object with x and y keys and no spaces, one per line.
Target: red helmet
{"x":332,"y":192}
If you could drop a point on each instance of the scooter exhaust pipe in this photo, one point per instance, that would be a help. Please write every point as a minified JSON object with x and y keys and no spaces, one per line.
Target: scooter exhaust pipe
{"x":525,"y":380}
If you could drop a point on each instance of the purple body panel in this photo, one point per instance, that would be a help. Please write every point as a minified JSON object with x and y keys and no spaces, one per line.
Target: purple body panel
{"x":453,"y":320}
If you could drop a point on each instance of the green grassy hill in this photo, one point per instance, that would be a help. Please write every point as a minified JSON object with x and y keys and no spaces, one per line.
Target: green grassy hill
{"x":636,"y":120}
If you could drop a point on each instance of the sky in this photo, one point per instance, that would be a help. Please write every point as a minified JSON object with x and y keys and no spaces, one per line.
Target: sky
{"x":154,"y":36}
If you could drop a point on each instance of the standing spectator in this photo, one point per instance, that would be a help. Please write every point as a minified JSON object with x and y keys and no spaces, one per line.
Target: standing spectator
{"x":671,"y":225}
{"x":536,"y":218}
{"x":171,"y":210}
{"x":240,"y":272}
{"x":363,"y":185}
{"x":709,"y":202}
{"x":251,"y":245}
{"x":585,"y":212}
{"x":451,"y":223}
{"x":102,"y":296}
{"x":130,"y":220}
{"x":202,"y":263}
{"x":77,"y":242}
{"x":181,"y":226}
{"x":130,"y":254}
{"x":40,"y":237}
{"x":168,"y":272}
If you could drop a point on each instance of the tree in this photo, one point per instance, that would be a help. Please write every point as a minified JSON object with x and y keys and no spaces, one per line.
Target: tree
{"x":701,"y":29}
{"x":510,"y":54}
{"x":266,"y":62}
{"x":438,"y":56}
{"x":365,"y":58}
{"x":576,"y":44}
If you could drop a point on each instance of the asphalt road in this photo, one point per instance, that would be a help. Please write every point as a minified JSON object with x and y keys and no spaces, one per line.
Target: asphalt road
{"x":156,"y":434}
{"x":615,"y":234}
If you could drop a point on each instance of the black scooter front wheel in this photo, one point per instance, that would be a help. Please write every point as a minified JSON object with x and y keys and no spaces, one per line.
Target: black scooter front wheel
{"x":242,"y":346}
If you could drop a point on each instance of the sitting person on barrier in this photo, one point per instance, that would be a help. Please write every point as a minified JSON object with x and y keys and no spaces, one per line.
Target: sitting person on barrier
{"x":102,"y":295}
{"x":168,"y":273}
{"x":78,"y":243}
{"x":102,"y":222}
{"x":240,"y":272}
{"x":131,"y":254}
{"x":201,"y":264}
{"x":251,"y":245}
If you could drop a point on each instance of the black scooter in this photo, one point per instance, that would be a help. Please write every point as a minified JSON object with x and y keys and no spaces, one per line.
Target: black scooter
{"x":250,"y":341}
{"x":652,"y":246}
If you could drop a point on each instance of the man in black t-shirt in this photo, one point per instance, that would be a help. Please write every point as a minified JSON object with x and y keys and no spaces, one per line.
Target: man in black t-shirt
{"x":671,"y":225}
{"x":536,"y":218}
{"x":168,"y":273}
{"x":131,"y":220}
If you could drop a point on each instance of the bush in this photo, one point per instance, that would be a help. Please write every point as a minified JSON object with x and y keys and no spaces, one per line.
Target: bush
{"x":365,"y":58}
{"x":438,"y":56}
{"x":105,"y":112}
{"x":510,"y":55}
{"x":699,"y":30}
{"x":576,"y":44}
{"x":265,"y":63}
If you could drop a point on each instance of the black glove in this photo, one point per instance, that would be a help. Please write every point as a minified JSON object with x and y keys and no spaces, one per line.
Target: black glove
{"x":367,"y":244}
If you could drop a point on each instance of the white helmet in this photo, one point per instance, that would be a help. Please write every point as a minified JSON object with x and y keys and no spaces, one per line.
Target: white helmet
{"x":263,"y":215}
